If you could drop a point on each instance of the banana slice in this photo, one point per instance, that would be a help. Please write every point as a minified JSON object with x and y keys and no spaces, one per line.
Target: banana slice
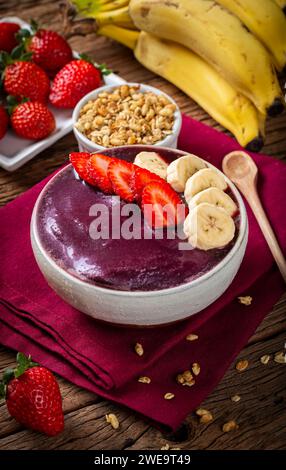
{"x":180,"y":170}
{"x":203,"y":179}
{"x":208,"y":226}
{"x":216,"y":197}
{"x":152,"y":162}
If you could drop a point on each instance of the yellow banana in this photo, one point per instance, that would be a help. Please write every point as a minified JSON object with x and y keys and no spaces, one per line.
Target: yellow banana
{"x":88,"y":8}
{"x":197,"y":79}
{"x":106,"y":12}
{"x":221,"y":39}
{"x":281,"y":4}
{"x":127,"y":37}
{"x":118,"y":17}
{"x":114,"y":5}
{"x":266,"y":21}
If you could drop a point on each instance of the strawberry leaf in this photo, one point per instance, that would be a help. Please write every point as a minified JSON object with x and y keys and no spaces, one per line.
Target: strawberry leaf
{"x":34,"y":26}
{"x":17,"y":52}
{"x":24,"y":363}
{"x":7,"y":376}
{"x":23,"y":34}
{"x":104,"y":69}
{"x":85,"y":57}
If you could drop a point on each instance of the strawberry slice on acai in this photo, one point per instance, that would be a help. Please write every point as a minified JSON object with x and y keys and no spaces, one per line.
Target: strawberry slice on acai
{"x":97,"y":170}
{"x":121,"y":174}
{"x":162,"y":206}
{"x":79,"y":161}
{"x":141,"y":178}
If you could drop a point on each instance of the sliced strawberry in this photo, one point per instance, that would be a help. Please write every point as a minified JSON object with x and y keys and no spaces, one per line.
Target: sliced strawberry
{"x":141,"y":178}
{"x":162,"y":206}
{"x":97,"y":170}
{"x":121,"y":174}
{"x":79,"y":161}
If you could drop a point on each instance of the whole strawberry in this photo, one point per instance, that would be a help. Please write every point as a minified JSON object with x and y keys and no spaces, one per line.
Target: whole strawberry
{"x":8,"y":38}
{"x":33,"y":396}
{"x":49,"y":50}
{"x":32,"y":120}
{"x":4,"y":121}
{"x":72,"y":82}
{"x":26,"y":80}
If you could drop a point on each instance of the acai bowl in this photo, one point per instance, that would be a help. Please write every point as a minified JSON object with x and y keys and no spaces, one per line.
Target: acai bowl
{"x":137,"y":279}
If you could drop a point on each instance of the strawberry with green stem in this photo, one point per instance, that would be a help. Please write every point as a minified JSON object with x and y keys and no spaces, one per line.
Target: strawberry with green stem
{"x":49,"y":49}
{"x":33,"y":396}
{"x":22,"y":78}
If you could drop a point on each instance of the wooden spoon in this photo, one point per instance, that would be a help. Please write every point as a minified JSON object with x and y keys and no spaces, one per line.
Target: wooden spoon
{"x":242,"y":171}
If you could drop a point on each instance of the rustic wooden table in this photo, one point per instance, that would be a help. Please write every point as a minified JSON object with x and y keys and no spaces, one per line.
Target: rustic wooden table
{"x":260,"y":413}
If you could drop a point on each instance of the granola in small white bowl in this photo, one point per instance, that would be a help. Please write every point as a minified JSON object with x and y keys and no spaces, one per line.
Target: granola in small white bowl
{"x":129,"y":114}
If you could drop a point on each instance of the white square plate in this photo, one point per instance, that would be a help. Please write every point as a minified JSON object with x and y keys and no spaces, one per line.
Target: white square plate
{"x":15,"y":151}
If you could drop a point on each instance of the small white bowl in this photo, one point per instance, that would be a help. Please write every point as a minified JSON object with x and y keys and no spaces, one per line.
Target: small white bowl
{"x":86,"y":145}
{"x":142,"y":308}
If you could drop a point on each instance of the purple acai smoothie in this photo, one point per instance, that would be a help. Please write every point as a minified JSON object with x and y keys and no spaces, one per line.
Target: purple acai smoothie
{"x":65,"y":229}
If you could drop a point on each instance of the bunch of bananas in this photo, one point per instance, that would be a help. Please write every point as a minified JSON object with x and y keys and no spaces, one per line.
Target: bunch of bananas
{"x":223,"y":54}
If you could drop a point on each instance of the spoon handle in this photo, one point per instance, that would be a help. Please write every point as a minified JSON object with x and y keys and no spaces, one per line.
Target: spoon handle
{"x":256,"y":206}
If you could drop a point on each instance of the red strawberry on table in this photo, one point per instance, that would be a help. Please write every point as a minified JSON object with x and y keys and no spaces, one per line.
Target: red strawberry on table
{"x":49,"y":49}
{"x":33,"y":396}
{"x":79,"y":161}
{"x":120,"y":174}
{"x":157,"y":195}
{"x":72,"y":82}
{"x":8,"y":38}
{"x":4,"y":121}
{"x":24,"y":79}
{"x":141,"y":178}
{"x":32,"y":120}
{"x":97,"y":169}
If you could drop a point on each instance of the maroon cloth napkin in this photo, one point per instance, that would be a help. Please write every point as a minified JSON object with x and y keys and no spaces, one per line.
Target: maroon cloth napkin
{"x":99,"y":357}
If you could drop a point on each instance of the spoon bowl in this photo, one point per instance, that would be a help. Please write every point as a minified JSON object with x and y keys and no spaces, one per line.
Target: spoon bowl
{"x":239,"y":167}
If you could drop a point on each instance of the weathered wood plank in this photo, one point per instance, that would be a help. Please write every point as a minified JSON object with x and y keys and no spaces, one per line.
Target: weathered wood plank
{"x":261,"y":411}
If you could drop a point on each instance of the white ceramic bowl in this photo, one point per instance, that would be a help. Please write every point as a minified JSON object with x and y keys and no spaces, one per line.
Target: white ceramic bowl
{"x":143,"y":308}
{"x":86,"y":145}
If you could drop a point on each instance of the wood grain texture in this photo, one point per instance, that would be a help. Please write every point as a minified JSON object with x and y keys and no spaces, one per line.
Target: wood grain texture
{"x":260,"y":413}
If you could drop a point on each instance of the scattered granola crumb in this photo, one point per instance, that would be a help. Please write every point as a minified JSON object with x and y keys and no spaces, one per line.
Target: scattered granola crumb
{"x":191,"y":337}
{"x":186,"y":378}
{"x":265,"y":359}
{"x":196,"y":368}
{"x":235,"y":398}
{"x":201,"y":411}
{"x":280,"y":357}
{"x":169,"y":396}
{"x":205,"y":415}
{"x":165,"y":447}
{"x":144,"y":380}
{"x":230,"y":426}
{"x":112,"y":419}
{"x":206,"y":418}
{"x":139,"y":349}
{"x":246,"y":300}
{"x":241,"y":365}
